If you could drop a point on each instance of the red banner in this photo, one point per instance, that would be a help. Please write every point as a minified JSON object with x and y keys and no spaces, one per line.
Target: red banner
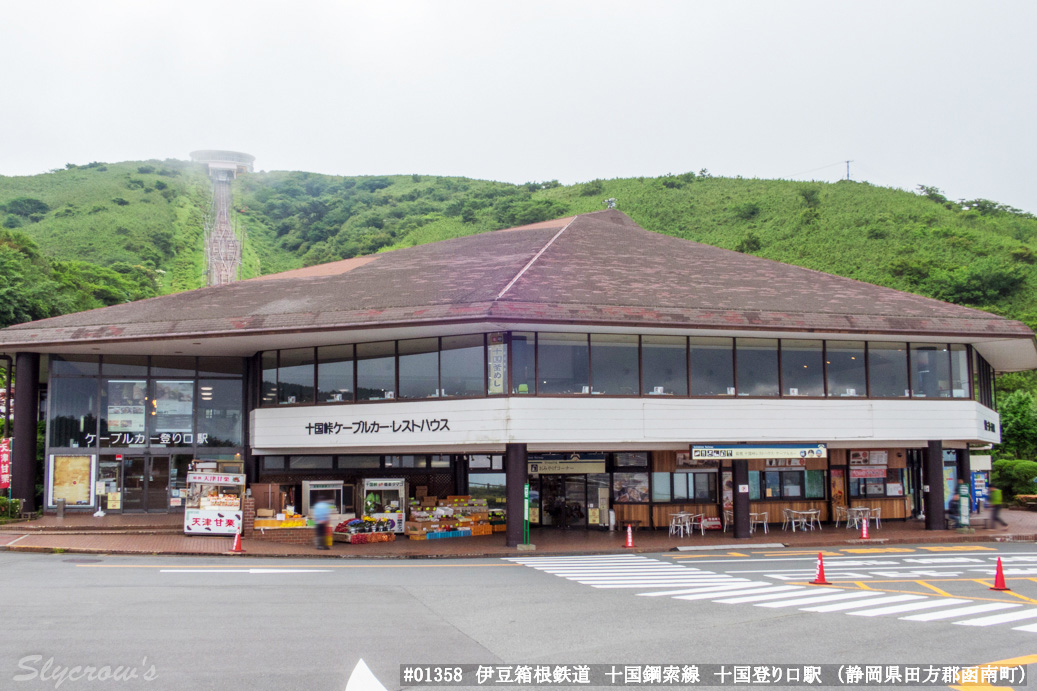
{"x":5,"y":463}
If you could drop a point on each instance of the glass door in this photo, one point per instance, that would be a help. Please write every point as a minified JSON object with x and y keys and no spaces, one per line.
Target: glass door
{"x":552,"y":500}
{"x":158,"y":484}
{"x":134,"y":478}
{"x":576,"y":501}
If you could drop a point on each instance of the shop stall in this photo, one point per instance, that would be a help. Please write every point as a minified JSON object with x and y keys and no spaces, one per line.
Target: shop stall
{"x":386,"y":500}
{"x":213,"y":505}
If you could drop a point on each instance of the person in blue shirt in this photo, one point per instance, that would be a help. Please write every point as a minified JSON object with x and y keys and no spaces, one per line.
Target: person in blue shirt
{"x":322,"y":524}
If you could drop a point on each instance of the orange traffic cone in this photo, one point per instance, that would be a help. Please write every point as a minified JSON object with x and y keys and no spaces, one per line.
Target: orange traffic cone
{"x":999,"y":578}
{"x":236,"y":549}
{"x":819,"y":579}
{"x":630,"y":536}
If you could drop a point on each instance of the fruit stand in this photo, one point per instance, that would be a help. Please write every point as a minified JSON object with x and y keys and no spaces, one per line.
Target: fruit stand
{"x":455,"y":516}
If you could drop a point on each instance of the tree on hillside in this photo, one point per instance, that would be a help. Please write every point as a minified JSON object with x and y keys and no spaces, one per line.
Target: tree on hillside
{"x":1018,"y":413}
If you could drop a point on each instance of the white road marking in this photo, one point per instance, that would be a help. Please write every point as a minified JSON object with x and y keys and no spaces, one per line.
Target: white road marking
{"x":840,"y":606}
{"x":999,"y":618}
{"x":961,"y":611}
{"x":910,"y":607}
{"x":245,"y":571}
{"x":775,"y":592}
{"x":818,"y":598}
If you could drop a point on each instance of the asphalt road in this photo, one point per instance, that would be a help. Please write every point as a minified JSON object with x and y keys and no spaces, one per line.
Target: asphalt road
{"x":242,"y":623}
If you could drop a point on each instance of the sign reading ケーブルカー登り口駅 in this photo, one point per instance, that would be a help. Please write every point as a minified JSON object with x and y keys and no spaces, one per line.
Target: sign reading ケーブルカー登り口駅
{"x":750,"y":451}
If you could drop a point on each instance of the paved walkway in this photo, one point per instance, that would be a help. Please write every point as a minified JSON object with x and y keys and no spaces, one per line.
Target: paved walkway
{"x":161,"y":534}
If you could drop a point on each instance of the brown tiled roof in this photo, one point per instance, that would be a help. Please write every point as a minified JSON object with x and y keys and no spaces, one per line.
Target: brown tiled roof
{"x":599,"y":269}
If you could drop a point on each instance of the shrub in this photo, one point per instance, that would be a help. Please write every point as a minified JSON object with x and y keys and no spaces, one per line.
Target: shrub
{"x":750,"y":243}
{"x":26,"y":206}
{"x":1024,"y":255}
{"x":12,"y":221}
{"x":592,"y":188}
{"x":118,"y":200}
{"x":1015,"y":476}
{"x":747,"y":211}
{"x":145,"y":170}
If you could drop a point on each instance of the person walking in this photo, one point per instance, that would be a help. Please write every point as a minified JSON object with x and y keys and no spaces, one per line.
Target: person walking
{"x":322,"y":524}
{"x":995,"y":506}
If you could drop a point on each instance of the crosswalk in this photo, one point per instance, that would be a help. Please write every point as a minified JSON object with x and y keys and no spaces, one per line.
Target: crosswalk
{"x":656,"y":578}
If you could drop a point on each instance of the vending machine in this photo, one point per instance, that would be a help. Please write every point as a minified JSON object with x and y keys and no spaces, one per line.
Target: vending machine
{"x":213,"y":503}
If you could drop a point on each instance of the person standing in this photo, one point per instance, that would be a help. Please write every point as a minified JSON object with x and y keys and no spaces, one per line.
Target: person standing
{"x":995,"y":506}
{"x":322,"y":524}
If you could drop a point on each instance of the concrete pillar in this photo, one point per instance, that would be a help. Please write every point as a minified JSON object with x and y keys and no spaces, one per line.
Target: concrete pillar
{"x":460,"y":467}
{"x":932,"y":469}
{"x":740,"y":476}
{"x":26,"y":409}
{"x":515,"y":466}
{"x":965,"y":470}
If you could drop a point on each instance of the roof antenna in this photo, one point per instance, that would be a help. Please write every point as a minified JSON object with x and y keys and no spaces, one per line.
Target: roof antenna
{"x":610,"y":203}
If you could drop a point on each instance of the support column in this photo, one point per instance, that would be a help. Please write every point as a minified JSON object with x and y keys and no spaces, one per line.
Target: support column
{"x":515,"y":466}
{"x":26,"y":407}
{"x":460,"y":466}
{"x":932,"y":468}
{"x":740,"y":476}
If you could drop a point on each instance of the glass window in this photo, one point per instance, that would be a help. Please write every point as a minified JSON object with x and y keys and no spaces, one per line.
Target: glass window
{"x":123,"y":412}
{"x":72,"y":405}
{"x":930,"y":370}
{"x":125,"y":365}
{"x":661,"y":487}
{"x":268,"y":386}
{"x":771,"y":484}
{"x":562,"y":362}
{"x":409,"y":461}
{"x":802,"y":368}
{"x":630,"y":488}
{"x":295,"y":374}
{"x":220,"y":366}
{"x":462,"y":364}
{"x":309,"y":462}
{"x":335,"y":374}
{"x":74,"y":365}
{"x":712,"y":366}
{"x":220,"y":412}
{"x":171,"y":419}
{"x":439,"y":461}
{"x":488,"y":462}
{"x":488,"y":486}
{"x":959,"y":371}
{"x":273,"y":462}
{"x":375,"y":371}
{"x":680,"y":486}
{"x":172,"y":366}
{"x":705,"y":489}
{"x":614,"y":364}
{"x":523,"y":363}
{"x":631,"y":459}
{"x":664,"y":365}
{"x":887,"y":370}
{"x":757,"y":366}
{"x":359,"y":462}
{"x":419,"y":368}
{"x":792,"y":484}
{"x":847,"y":375}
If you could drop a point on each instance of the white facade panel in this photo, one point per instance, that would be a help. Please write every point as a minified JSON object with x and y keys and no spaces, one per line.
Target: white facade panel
{"x":563,"y":423}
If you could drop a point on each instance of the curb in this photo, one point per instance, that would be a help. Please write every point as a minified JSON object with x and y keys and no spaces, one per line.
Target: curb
{"x":517,"y":553}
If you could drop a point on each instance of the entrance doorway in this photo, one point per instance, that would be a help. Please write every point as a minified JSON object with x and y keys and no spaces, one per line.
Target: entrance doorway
{"x":563,"y":501}
{"x":145,"y":483}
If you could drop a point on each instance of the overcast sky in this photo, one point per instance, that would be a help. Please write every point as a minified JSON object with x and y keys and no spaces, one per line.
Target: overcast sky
{"x":934,"y":93}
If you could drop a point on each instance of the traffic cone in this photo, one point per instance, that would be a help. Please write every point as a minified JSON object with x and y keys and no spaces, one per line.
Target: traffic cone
{"x":236,"y":549}
{"x":819,"y":579}
{"x":630,"y":536}
{"x":999,"y":578}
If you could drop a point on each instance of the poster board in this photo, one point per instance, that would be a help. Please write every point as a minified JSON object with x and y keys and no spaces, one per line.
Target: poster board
{"x":71,"y":478}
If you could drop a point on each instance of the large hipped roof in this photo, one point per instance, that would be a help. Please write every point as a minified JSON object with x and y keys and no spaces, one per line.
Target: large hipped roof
{"x":597,"y":269}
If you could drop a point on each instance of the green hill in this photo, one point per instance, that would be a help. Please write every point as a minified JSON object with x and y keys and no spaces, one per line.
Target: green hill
{"x":104,"y":233}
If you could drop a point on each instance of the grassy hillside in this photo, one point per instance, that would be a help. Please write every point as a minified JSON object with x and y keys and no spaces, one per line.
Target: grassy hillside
{"x":976,"y":253}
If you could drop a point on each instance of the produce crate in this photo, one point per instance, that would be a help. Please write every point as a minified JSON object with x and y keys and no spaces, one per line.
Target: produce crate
{"x":500,"y":527}
{"x":418,"y":536}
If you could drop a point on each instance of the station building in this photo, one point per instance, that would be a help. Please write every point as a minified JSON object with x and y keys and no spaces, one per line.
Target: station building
{"x":625,"y":375}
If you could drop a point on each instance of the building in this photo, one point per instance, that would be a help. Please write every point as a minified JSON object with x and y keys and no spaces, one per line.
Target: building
{"x":224,"y":165}
{"x":614,"y":369}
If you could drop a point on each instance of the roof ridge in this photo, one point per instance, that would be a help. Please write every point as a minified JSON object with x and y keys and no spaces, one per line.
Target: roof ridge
{"x":535,"y":257}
